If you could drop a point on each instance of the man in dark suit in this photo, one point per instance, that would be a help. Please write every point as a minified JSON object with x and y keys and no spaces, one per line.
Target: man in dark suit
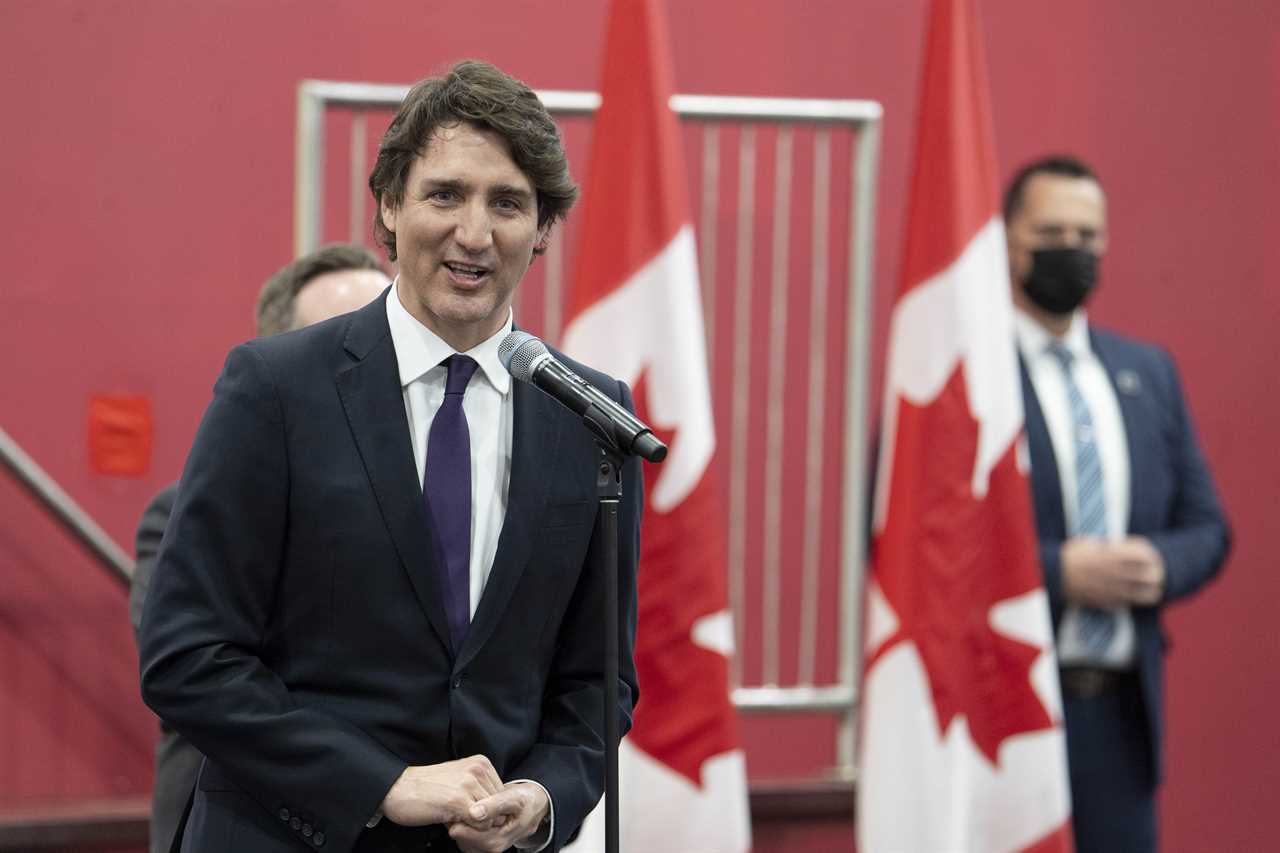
{"x":1126,"y":511}
{"x":330,"y":281}
{"x":376,"y":610}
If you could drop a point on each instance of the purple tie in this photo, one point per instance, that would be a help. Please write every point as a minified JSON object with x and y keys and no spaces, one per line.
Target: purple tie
{"x":446,"y":486}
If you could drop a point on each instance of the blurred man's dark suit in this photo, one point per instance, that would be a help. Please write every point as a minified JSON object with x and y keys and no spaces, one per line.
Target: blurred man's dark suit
{"x":296,"y":631}
{"x":177,"y":761}
{"x":1174,"y":504}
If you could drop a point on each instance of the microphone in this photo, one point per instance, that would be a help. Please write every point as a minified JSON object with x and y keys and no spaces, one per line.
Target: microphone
{"x":526,"y":358}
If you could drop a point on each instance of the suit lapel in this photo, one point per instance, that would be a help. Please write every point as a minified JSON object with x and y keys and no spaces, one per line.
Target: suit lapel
{"x":374,"y":404}
{"x":1128,"y":395}
{"x":534,"y":446}
{"x":1045,"y":484}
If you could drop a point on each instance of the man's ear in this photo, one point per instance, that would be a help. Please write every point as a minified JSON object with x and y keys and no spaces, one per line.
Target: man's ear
{"x":544,"y":239}
{"x":388,"y":214}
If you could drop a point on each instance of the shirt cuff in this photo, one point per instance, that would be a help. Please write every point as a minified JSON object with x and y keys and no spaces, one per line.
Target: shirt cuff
{"x":373,"y":821}
{"x":546,"y":830}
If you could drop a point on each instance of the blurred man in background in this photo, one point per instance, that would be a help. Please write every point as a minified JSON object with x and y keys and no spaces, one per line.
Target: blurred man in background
{"x":325,"y":283}
{"x":1126,"y":511}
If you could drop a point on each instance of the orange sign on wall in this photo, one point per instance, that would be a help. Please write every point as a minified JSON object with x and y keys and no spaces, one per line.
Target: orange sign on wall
{"x":120,"y":429}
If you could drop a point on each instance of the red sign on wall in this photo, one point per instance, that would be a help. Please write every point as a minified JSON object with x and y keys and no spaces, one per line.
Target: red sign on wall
{"x":120,"y":430}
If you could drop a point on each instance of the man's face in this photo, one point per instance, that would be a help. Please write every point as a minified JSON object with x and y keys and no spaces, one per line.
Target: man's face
{"x":336,"y":293}
{"x":465,"y":234}
{"x":1057,"y":212}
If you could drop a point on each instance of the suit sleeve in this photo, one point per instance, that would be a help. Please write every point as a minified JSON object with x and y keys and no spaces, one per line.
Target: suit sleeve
{"x":568,"y":758}
{"x":1196,"y":541}
{"x":147,"y":547}
{"x":207,"y":617}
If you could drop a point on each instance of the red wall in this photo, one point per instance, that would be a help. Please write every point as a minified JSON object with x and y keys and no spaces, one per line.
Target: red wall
{"x":147,"y":173}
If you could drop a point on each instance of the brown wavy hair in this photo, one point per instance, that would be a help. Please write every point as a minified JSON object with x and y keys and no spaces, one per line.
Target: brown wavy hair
{"x":478,"y":93}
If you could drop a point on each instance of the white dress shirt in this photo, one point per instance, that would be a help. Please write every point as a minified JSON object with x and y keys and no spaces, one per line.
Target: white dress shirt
{"x":488,"y":405}
{"x":1113,"y":455}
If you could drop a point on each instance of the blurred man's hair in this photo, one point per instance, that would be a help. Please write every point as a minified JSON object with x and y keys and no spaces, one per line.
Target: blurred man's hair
{"x":479,"y":93}
{"x":1062,"y":165}
{"x":274,"y":312}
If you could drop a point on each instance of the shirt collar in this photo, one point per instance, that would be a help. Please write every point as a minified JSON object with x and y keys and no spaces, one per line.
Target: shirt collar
{"x":418,"y":349}
{"x":1034,"y":339}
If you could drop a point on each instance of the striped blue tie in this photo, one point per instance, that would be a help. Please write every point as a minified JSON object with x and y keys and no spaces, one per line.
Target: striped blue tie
{"x":1097,"y":627}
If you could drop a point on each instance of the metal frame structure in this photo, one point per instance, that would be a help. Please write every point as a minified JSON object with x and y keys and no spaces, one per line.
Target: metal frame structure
{"x":863,"y":117}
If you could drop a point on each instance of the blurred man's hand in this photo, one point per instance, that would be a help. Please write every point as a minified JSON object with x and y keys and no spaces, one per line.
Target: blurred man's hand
{"x":1097,"y":573}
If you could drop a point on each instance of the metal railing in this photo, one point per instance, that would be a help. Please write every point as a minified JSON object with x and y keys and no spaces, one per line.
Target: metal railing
{"x":785,"y":123}
{"x":64,"y":510}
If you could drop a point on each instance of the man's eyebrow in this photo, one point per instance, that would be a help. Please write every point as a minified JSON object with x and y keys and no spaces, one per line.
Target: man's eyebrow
{"x":510,"y":189}
{"x":430,"y":183}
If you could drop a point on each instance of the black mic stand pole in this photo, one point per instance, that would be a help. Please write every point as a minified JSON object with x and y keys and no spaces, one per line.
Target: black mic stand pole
{"x":609,"y":495}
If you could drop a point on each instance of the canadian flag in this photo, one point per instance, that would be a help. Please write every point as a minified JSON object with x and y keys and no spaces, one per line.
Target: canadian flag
{"x":962,"y":746}
{"x":635,"y":312}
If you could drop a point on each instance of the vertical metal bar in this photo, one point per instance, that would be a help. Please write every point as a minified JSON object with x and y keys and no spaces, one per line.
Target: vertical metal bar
{"x":517,"y":300}
{"x":854,"y":545}
{"x":359,"y":176}
{"x":741,"y":393}
{"x":774,"y":423}
{"x":707,"y":235}
{"x":553,"y":291}
{"x":308,"y":166}
{"x":820,"y":247}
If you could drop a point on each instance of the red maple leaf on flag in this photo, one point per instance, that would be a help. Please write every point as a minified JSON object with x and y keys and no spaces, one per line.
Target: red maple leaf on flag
{"x":947,"y":557}
{"x":684,"y":715}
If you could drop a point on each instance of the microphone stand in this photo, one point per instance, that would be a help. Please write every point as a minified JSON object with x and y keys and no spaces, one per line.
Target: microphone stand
{"x":618,"y":434}
{"x":609,"y":495}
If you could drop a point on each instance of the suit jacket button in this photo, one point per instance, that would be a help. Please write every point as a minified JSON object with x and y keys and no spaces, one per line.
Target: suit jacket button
{"x":457,"y":682}
{"x":283,"y":814}
{"x":318,"y":839}
{"x":307,"y":830}
{"x":295,"y":823}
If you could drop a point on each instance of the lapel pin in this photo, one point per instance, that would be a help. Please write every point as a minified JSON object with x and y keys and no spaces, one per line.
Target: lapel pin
{"x":1128,"y":382}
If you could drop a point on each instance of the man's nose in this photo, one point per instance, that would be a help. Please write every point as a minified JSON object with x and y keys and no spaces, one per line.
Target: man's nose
{"x":474,"y":229}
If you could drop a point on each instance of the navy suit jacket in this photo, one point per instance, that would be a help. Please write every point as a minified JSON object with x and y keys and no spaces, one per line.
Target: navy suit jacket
{"x":295,"y":629}
{"x":1173,"y":501}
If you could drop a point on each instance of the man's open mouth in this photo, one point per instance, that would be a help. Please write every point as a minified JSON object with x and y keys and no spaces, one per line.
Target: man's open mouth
{"x":469,"y":273}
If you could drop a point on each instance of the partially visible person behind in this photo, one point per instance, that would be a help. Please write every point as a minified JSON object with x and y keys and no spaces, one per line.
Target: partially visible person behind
{"x":330,"y":281}
{"x":1126,"y":511}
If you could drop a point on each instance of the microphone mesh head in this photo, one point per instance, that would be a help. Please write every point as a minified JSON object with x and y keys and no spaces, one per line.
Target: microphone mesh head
{"x":518,"y":351}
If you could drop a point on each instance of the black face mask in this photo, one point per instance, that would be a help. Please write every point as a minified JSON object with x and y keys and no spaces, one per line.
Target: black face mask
{"x":1061,"y":279}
